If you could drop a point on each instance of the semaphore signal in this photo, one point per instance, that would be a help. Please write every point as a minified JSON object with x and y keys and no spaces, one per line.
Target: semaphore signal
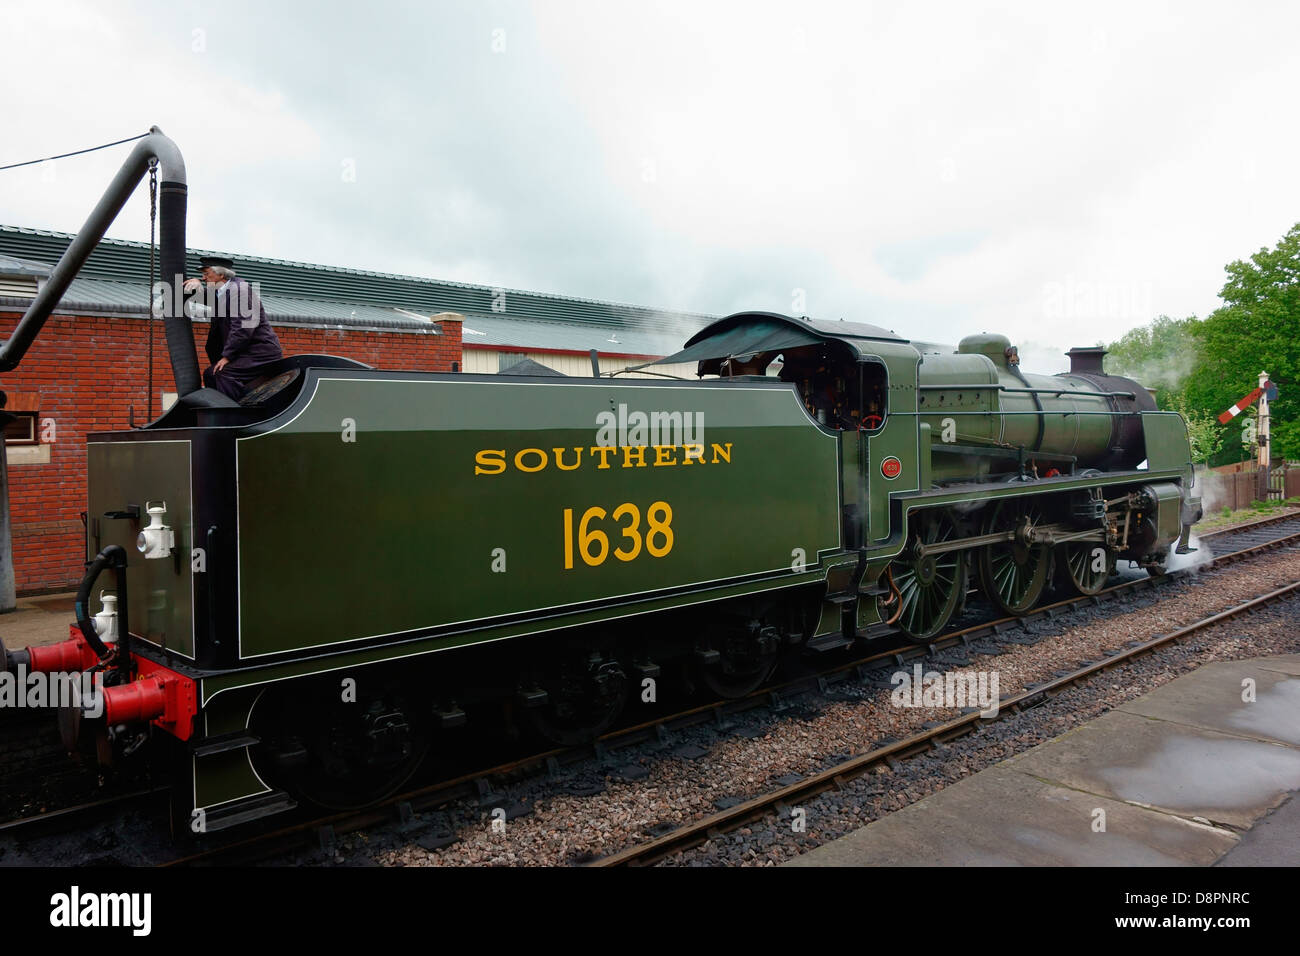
{"x":1266,"y":388}
{"x":1264,"y":393}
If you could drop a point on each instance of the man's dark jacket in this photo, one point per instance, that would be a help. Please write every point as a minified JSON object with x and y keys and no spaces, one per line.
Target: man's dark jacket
{"x":240,"y":331}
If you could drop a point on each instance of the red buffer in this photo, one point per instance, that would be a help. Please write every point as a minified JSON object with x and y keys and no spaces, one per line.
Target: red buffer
{"x":158,"y":694}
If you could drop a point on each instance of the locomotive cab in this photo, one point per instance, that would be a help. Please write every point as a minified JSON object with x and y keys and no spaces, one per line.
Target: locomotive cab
{"x":839,"y":391}
{"x":841,"y":384}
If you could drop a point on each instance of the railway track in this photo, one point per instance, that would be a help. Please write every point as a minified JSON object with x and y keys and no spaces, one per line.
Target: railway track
{"x":485,"y":785}
{"x":1252,"y":532}
{"x":77,"y":815}
{"x":835,"y":777}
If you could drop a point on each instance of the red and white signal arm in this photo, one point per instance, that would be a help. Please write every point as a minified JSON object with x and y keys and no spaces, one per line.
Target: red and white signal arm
{"x":1268,"y":389}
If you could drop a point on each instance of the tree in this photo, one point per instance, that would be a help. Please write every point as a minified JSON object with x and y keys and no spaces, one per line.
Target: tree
{"x":1257,"y":329}
{"x":1203,"y":430}
{"x":1161,"y":355}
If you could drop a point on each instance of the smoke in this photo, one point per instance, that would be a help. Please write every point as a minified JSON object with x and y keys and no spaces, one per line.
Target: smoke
{"x":1214,"y":494}
{"x":1168,"y":371}
{"x":677,"y":327}
{"x":1202,"y":556}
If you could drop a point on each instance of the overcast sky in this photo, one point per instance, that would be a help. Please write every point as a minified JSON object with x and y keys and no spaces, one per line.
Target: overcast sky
{"x":1060,"y":174}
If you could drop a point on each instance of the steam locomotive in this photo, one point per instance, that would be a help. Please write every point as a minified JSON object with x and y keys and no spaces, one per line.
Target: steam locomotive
{"x":316,"y":585}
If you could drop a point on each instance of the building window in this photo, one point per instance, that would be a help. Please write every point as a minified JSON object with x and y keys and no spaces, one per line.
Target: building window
{"x":24,"y":428}
{"x":21,"y":430}
{"x":507,"y":360}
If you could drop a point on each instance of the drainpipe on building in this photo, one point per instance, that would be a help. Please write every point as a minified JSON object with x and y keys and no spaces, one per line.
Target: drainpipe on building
{"x":8,"y":596}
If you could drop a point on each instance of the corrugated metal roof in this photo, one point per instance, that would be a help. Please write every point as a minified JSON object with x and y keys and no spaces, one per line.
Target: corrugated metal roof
{"x":101,"y":295}
{"x":503,"y":332}
{"x":281,"y":308}
{"x":121,"y":261}
{"x":13,"y":266}
{"x":97,"y":295}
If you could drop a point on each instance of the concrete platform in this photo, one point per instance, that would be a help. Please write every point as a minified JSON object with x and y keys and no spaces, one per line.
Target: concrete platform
{"x":1187,"y":775}
{"x":38,"y":620}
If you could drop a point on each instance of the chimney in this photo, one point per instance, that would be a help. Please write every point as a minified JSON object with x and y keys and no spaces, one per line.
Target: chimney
{"x":1086,"y":360}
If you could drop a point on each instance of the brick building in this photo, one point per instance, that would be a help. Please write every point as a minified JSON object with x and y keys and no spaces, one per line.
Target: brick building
{"x":89,"y":370}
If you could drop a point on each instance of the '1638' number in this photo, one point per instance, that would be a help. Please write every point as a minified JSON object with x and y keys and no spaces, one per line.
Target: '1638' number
{"x":593,"y":542}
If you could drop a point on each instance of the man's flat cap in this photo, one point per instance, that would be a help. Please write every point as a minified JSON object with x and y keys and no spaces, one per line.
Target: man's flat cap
{"x":205,"y":261}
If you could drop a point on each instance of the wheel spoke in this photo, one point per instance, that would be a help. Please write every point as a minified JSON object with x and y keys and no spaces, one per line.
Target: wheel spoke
{"x":1013,"y":575}
{"x":1078,"y":562}
{"x":929,"y":592}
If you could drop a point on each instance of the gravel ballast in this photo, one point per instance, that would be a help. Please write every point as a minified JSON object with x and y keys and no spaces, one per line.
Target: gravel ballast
{"x":664,"y":789}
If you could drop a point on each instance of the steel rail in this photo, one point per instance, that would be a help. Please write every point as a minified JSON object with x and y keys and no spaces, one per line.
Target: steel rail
{"x":75,"y":816}
{"x":702,"y":830}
